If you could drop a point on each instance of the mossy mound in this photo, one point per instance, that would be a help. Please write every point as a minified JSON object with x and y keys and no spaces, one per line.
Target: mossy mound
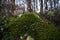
{"x":34,"y":26}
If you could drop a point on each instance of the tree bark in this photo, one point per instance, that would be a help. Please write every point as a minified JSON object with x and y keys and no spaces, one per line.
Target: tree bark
{"x":46,"y":7}
{"x":41,"y":7}
{"x":54,"y":3}
{"x":29,"y":5}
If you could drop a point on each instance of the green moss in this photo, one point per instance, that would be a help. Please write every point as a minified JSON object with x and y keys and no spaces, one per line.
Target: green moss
{"x":34,"y":26}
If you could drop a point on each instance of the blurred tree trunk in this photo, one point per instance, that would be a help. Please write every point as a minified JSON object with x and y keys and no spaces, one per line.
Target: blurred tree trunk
{"x":34,"y":5}
{"x":29,"y":5}
{"x":12,"y":7}
{"x":0,"y":2}
{"x":54,"y":3}
{"x":0,"y":6}
{"x":46,"y":7}
{"x":51,"y":4}
{"x":41,"y":6}
{"x":57,"y":3}
{"x":50,"y":1}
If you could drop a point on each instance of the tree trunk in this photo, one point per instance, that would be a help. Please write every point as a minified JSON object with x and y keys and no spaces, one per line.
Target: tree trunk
{"x":46,"y":7}
{"x":12,"y":7}
{"x":54,"y":3}
{"x":0,"y":6}
{"x":29,"y":5}
{"x":50,"y":1}
{"x":57,"y":3}
{"x":41,"y":7}
{"x":0,"y":1}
